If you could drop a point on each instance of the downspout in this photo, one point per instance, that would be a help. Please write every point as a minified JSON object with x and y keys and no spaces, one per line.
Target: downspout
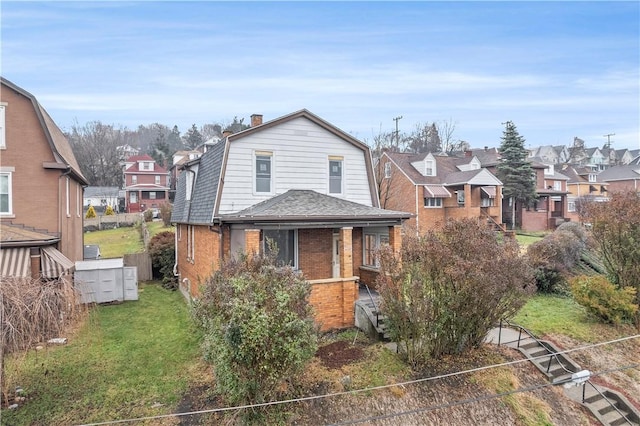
{"x":417,"y":213}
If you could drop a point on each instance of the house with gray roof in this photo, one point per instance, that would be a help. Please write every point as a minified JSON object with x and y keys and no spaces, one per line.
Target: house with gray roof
{"x":624,"y":177}
{"x":438,"y":187}
{"x":296,"y":181}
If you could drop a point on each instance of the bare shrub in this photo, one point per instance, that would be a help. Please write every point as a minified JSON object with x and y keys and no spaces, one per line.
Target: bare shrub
{"x":450,"y":287}
{"x":33,"y":311}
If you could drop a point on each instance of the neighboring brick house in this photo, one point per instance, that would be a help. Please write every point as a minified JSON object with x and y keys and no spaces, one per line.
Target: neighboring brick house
{"x":41,"y":190}
{"x":146,"y":184}
{"x":584,"y":184}
{"x":178,"y":159}
{"x":550,"y":208}
{"x":622,"y":178}
{"x":300,"y":182}
{"x":438,"y":187}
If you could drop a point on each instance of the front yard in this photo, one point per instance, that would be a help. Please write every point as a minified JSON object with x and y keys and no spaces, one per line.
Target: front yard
{"x":132,"y":359}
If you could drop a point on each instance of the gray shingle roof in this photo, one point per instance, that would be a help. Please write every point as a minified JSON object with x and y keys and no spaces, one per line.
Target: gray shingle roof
{"x":205,"y":190}
{"x":180,"y":211}
{"x":101,"y":191}
{"x":307,"y":205}
{"x":621,"y":172}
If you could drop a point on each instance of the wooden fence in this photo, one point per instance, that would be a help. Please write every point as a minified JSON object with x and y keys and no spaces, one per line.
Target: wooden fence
{"x":143,"y":262}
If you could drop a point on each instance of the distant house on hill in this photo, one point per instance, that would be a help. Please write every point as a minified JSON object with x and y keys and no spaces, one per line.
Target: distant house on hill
{"x":146,"y":184}
{"x":101,"y":196}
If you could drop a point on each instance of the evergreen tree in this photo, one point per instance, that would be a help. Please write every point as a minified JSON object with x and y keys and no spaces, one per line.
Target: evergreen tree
{"x":514,"y":170}
{"x":193,"y":137}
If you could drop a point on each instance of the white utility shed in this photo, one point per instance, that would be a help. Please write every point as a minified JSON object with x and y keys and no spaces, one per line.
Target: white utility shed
{"x":106,"y":280}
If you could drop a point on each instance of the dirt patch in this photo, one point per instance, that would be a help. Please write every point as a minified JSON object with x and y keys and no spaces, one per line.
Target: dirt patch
{"x":338,"y":354}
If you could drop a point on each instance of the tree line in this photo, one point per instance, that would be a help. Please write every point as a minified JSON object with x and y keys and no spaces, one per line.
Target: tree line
{"x":95,"y":144}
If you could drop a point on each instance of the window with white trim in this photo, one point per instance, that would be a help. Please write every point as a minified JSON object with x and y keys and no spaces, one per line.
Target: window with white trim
{"x":284,"y":242}
{"x":372,"y":243}
{"x":264,"y":177}
{"x":78,"y":199}
{"x":134,"y":180}
{"x":67,"y":182}
{"x":133,"y":197}
{"x":428,"y":168}
{"x":3,"y":143}
{"x":6,"y":202}
{"x":433,"y":202}
{"x":152,"y":195}
{"x":592,"y":177}
{"x":571,"y":206}
{"x":335,"y":175}
{"x":460,"y":197}
{"x":157,"y":180}
{"x":191,"y":243}
{"x":557,"y":185}
{"x":387,"y":170}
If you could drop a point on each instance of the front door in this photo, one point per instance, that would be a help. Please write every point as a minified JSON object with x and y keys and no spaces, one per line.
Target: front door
{"x":336,"y":256}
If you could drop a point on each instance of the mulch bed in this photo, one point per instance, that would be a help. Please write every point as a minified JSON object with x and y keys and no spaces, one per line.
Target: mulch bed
{"x":340,"y":353}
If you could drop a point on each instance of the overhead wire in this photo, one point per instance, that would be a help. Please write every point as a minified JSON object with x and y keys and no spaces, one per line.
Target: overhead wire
{"x":356,"y":391}
{"x":474,"y":400}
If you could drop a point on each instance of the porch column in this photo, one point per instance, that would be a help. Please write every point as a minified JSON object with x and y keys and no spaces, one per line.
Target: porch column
{"x":252,"y":241}
{"x":346,"y":252}
{"x":395,"y":238}
{"x":467,"y":197}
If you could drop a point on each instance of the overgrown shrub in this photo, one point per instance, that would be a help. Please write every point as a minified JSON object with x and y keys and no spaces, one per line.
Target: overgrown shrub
{"x":109,"y":211}
{"x":258,"y":329}
{"x":604,"y":299}
{"x":32,"y":311}
{"x":616,"y":231}
{"x":163,"y":257}
{"x":148,"y":215}
{"x":91,"y":213}
{"x":165,"y":213}
{"x":555,"y":255}
{"x":450,"y":288}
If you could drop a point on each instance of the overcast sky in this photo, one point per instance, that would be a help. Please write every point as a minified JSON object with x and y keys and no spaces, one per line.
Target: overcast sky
{"x":556,"y":69}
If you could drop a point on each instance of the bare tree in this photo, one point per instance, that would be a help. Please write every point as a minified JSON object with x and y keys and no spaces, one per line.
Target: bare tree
{"x":95,"y":148}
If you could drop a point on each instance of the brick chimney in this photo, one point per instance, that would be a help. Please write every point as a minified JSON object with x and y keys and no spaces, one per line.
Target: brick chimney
{"x":256,"y":120}
{"x":468,"y":153}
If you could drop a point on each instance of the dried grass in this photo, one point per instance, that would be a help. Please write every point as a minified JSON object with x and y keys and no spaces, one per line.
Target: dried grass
{"x":33,"y":311}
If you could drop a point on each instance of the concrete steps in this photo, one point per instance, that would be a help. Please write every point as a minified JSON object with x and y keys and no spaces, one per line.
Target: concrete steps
{"x":610,"y":407}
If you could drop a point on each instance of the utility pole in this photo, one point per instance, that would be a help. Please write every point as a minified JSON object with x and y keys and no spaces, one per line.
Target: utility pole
{"x":608,"y":136}
{"x":397,"y":135}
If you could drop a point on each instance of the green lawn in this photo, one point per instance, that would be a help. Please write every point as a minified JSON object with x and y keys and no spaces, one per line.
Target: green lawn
{"x":525,"y":240}
{"x":157,"y":226}
{"x":116,"y":242}
{"x":123,"y":361}
{"x":544,"y":314}
{"x":120,"y":241}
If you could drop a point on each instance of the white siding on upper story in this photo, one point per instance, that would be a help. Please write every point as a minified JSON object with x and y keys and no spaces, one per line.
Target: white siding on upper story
{"x":301,"y":151}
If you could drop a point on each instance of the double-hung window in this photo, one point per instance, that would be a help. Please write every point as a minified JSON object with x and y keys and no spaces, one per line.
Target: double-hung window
{"x":134,"y":180}
{"x":264,"y":163}
{"x":6,"y":202}
{"x":373,"y":240}
{"x":335,"y":175}
{"x":284,"y":243}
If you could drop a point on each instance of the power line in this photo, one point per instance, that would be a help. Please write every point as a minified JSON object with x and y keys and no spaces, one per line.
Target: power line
{"x":355,"y":391}
{"x":476,"y":399}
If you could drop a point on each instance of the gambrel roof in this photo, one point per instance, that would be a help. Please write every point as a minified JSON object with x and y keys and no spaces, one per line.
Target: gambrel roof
{"x":58,"y":142}
{"x":202,"y":207}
